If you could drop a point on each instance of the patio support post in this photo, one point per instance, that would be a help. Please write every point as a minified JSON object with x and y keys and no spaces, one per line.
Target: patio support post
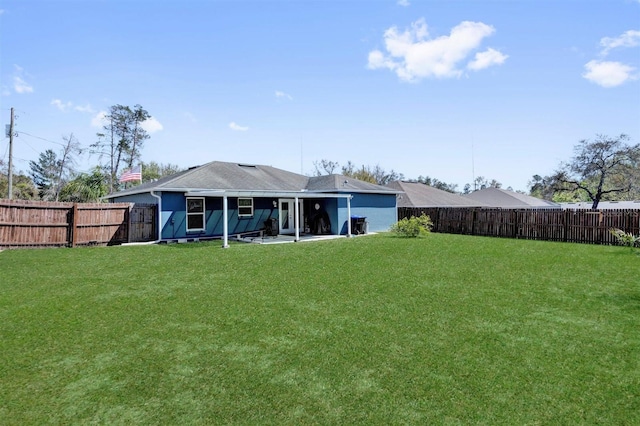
{"x":348,"y":217}
{"x":225,"y":223}
{"x":296,"y":220}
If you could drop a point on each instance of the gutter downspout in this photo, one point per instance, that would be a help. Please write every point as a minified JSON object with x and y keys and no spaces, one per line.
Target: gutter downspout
{"x":159,"y":198}
{"x":296,"y":220}
{"x":349,"y":217}
{"x":225,"y":223}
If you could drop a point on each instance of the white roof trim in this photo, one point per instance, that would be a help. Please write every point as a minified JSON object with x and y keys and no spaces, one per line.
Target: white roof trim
{"x":257,"y":194}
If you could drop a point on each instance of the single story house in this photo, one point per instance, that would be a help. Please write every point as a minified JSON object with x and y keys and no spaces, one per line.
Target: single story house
{"x":419,"y":195}
{"x":222,"y":199}
{"x":502,"y":198}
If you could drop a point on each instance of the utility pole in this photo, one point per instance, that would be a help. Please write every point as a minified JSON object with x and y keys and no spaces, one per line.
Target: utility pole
{"x":11,"y":156}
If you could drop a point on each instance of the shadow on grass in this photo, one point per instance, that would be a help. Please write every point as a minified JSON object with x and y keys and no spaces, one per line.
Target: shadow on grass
{"x":626,"y":301}
{"x":196,"y":244}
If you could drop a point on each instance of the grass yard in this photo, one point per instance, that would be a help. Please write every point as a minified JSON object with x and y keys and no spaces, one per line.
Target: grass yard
{"x":446,"y":329}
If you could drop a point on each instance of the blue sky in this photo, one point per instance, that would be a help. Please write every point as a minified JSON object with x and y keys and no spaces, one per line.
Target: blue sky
{"x":446,"y":88}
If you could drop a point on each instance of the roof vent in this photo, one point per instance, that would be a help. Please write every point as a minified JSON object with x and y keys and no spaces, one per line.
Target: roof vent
{"x":247,"y":165}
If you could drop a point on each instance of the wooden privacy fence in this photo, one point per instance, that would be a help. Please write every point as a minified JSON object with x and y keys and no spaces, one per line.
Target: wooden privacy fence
{"x":53,"y":224}
{"x":577,"y":226}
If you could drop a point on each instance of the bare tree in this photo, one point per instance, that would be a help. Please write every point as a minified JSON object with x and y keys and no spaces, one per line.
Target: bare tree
{"x":382,"y":177}
{"x":153,"y":171}
{"x":51,"y":172}
{"x":325,"y":167}
{"x":375,"y":174}
{"x":70,"y":149}
{"x":122,"y":140}
{"x":482,"y":183}
{"x":138,"y":134}
{"x":436,"y":183}
{"x":600,"y":168}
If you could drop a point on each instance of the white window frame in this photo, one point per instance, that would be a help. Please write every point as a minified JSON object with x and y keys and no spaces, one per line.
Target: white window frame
{"x":245,"y":207}
{"x":202,"y":213}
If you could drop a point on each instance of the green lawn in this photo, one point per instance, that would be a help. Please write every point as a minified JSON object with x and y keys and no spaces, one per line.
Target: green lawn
{"x":445,"y":329}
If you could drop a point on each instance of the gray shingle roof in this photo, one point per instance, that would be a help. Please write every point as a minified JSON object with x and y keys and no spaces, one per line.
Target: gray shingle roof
{"x":418,"y":194}
{"x":219,"y":175}
{"x":341,"y":183}
{"x":496,"y":197}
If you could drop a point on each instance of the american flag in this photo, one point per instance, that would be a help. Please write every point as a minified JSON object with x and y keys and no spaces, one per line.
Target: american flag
{"x":132,"y":174}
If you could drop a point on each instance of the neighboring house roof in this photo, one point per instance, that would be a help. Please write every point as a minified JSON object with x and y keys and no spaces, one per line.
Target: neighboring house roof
{"x":341,"y":183}
{"x":418,"y":194}
{"x":502,"y":198}
{"x":603,"y":205}
{"x":224,"y":176}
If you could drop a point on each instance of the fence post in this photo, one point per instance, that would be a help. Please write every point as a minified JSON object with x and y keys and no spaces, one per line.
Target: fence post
{"x":73,"y":225}
{"x":473,"y":222}
{"x":566,"y":225}
{"x":128,"y":213}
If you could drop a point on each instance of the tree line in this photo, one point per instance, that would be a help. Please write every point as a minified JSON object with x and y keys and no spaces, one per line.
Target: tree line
{"x":603,"y":169}
{"x":54,"y":175}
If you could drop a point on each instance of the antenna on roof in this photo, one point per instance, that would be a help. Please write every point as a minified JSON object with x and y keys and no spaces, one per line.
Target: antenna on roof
{"x":473,"y":167}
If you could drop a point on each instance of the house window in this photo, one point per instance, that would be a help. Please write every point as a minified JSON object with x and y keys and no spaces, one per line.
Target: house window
{"x":195,"y":214}
{"x":245,"y":207}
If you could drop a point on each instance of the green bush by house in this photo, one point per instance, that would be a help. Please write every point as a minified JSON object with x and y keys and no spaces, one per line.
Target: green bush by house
{"x":413,"y":226}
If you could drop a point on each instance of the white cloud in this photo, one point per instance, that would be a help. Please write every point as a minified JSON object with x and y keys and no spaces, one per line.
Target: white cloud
{"x":151,"y":125}
{"x":378,"y":60}
{"x":100,"y":119}
{"x":404,"y":3}
{"x":237,"y":127}
{"x":87,"y":108}
{"x":412,"y":55}
{"x":608,"y":74}
{"x":629,"y":38}
{"x":280,"y":94}
{"x":21,"y":86}
{"x":65,"y":106}
{"x":486,"y":59}
{"x":61,"y":105}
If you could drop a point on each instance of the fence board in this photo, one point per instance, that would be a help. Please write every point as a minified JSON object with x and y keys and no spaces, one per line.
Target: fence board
{"x":578,"y":226}
{"x":143,"y":222}
{"x":51,"y":224}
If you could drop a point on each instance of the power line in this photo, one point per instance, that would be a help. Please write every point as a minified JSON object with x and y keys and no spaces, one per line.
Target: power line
{"x":5,"y":152}
{"x":43,"y":139}
{"x":27,"y":144}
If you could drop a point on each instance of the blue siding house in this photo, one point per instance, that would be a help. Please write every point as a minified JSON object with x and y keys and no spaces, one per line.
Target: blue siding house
{"x":221,"y":199}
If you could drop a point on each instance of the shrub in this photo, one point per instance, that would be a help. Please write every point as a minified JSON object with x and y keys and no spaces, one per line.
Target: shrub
{"x":412,"y":227}
{"x":626,"y":239}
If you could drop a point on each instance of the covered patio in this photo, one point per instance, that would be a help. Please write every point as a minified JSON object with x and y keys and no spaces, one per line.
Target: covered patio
{"x":296,"y":196}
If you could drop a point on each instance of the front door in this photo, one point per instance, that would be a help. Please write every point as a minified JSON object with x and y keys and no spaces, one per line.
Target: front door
{"x":287,"y":219}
